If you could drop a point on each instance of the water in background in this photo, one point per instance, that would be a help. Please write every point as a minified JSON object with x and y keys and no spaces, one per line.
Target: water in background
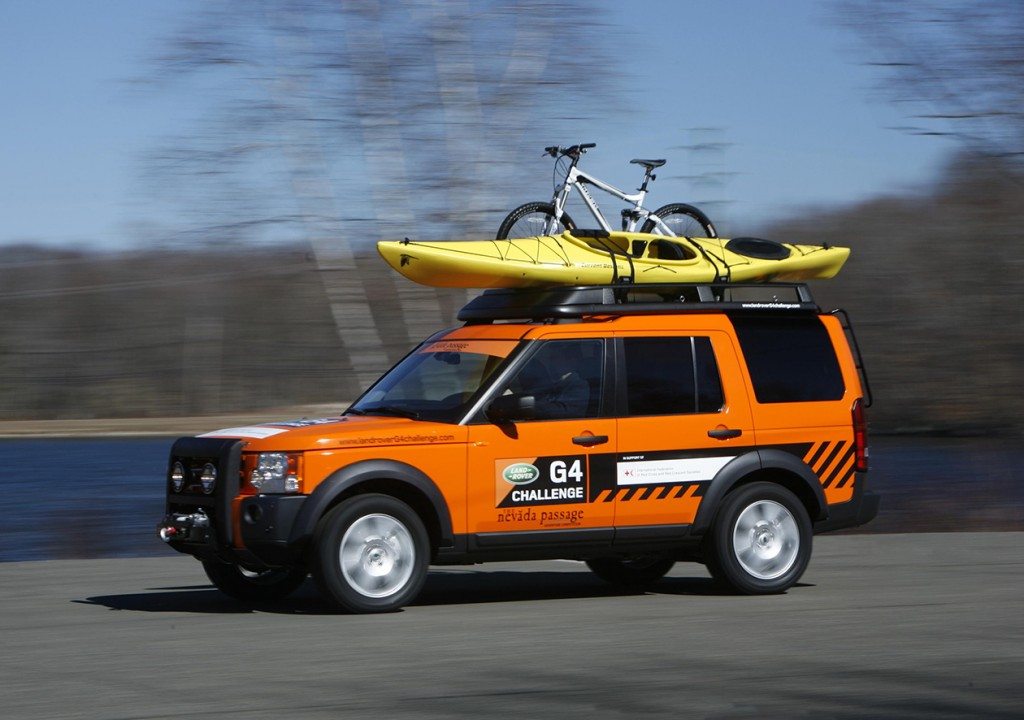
{"x":88,"y":498}
{"x":81,"y":498}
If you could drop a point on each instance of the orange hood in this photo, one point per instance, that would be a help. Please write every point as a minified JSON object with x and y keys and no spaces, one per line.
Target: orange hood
{"x":352,"y":431}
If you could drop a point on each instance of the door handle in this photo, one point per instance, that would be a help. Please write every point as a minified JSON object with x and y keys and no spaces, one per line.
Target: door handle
{"x":588,"y":440}
{"x":723,"y":433}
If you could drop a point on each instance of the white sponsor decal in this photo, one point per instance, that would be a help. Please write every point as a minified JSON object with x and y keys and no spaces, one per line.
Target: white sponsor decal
{"x":654,"y":472}
{"x":248,"y":432}
{"x":309,"y":422}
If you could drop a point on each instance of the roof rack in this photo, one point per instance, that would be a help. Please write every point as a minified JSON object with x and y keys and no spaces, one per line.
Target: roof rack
{"x":555,"y":303}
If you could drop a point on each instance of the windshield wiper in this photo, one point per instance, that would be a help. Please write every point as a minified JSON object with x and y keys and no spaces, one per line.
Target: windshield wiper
{"x":386,"y":410}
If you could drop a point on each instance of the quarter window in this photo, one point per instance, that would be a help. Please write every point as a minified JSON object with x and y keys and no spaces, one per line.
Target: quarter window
{"x":671,"y":376}
{"x":791,"y":359}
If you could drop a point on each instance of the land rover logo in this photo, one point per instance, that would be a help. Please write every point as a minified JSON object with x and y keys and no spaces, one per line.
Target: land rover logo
{"x":520,"y":473}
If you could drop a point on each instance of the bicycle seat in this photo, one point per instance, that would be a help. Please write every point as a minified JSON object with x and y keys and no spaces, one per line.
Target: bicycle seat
{"x":649,"y":164}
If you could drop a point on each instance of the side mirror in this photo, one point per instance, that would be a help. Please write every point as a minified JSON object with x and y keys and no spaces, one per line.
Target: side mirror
{"x":508,"y":408}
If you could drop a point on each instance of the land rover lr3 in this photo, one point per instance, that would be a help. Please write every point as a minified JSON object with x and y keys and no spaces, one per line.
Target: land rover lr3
{"x":629,"y":427}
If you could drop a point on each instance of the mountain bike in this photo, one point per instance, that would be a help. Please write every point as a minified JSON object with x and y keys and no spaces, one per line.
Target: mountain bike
{"x":550,"y":218}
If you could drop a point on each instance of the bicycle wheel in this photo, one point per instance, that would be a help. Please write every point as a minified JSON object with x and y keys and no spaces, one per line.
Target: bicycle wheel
{"x":683,"y":220}
{"x":531,"y":219}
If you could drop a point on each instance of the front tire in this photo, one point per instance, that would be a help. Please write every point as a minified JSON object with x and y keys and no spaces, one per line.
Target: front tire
{"x":372,"y":554}
{"x":683,"y":220}
{"x":531,"y":219}
{"x":632,"y":572}
{"x":253,"y":586}
{"x":760,"y":541}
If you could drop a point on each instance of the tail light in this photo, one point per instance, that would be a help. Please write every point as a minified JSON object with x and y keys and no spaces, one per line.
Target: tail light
{"x":860,"y":436}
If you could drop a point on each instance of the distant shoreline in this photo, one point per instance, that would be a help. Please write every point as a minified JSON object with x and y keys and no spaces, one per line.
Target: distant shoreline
{"x":157,"y":426}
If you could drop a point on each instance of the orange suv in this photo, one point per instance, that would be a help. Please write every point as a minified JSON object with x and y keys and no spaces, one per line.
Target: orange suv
{"x":627,"y":426}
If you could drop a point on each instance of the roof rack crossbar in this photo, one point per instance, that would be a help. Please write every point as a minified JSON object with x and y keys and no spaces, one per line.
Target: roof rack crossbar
{"x":567,"y":302}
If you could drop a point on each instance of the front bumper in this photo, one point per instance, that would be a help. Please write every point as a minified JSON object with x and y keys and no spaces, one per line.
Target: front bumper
{"x":204,"y":525}
{"x":266,"y":527}
{"x":182,"y":528}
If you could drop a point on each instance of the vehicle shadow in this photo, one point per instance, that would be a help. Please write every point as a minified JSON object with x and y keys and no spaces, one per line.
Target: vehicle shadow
{"x":448,"y":586}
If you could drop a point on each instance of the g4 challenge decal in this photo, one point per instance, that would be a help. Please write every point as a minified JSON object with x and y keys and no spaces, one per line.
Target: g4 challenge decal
{"x":558,"y":480}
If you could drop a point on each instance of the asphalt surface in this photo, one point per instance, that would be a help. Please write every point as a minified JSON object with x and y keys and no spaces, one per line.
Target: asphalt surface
{"x":889,"y":626}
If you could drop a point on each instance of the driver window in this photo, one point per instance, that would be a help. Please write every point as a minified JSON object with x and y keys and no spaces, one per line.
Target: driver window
{"x":564,"y":377}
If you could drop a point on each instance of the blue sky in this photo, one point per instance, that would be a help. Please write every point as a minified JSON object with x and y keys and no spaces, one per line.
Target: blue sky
{"x":71,"y":128}
{"x":783,"y":89}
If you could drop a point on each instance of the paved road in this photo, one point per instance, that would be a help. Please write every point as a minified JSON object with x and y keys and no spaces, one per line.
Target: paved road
{"x":917,"y":626}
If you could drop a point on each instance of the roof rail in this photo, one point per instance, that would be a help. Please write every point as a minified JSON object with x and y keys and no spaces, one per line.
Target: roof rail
{"x":565,"y":302}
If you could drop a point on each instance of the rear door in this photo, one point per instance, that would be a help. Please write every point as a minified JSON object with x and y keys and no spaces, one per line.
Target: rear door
{"x":683,"y":415}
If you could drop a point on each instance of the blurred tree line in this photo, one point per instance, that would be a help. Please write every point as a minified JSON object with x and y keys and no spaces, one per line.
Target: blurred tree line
{"x":179,"y":332}
{"x":934,"y":287}
{"x":331,"y":125}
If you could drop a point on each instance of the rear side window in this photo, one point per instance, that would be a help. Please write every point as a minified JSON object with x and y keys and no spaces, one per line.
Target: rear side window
{"x":671,"y":376}
{"x":791,"y":359}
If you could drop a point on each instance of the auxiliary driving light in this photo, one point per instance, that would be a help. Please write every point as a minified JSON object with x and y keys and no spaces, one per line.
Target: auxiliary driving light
{"x":208,"y":478}
{"x":177,"y":477}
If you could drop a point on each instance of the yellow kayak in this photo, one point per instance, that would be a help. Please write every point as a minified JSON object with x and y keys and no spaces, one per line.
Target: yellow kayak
{"x":599,"y":258}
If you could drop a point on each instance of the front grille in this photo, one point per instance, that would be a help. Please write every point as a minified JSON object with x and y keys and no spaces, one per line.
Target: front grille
{"x":193,"y":454}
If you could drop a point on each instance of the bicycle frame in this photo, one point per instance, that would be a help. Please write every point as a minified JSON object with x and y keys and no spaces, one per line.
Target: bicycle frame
{"x":578,"y":179}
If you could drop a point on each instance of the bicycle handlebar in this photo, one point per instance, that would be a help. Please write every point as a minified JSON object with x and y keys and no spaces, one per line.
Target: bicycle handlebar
{"x":573,"y":151}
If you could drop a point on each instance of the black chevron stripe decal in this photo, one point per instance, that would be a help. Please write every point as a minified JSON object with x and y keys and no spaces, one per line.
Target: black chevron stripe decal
{"x":818,"y":453}
{"x":828,"y":460}
{"x":840,"y":466}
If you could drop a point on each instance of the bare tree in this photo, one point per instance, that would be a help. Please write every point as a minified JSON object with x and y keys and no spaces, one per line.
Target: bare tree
{"x":958,"y":63}
{"x":346,"y":122}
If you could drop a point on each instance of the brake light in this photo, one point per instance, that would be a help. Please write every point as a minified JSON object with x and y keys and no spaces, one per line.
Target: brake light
{"x":860,"y":436}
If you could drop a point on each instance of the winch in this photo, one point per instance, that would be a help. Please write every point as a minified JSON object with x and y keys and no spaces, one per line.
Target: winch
{"x":191,"y":527}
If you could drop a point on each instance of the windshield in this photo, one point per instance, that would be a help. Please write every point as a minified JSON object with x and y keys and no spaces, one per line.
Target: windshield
{"x":436,"y":382}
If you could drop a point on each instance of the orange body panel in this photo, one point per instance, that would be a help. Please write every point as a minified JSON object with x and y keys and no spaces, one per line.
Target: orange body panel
{"x":436,"y":449}
{"x":471,"y":464}
{"x":628,"y":428}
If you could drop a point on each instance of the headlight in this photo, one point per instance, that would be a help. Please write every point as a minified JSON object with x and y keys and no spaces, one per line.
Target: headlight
{"x":177,"y":477}
{"x":208,"y":478}
{"x":276,"y":473}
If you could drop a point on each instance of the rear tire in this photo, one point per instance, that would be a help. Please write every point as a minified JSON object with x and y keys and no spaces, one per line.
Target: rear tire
{"x":530,"y":220}
{"x":638,"y":571}
{"x":262,"y":586}
{"x":760,"y":540}
{"x":683,"y":220}
{"x":372,"y":553}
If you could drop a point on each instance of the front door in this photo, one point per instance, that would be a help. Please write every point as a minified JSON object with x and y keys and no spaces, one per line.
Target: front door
{"x":529,"y":478}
